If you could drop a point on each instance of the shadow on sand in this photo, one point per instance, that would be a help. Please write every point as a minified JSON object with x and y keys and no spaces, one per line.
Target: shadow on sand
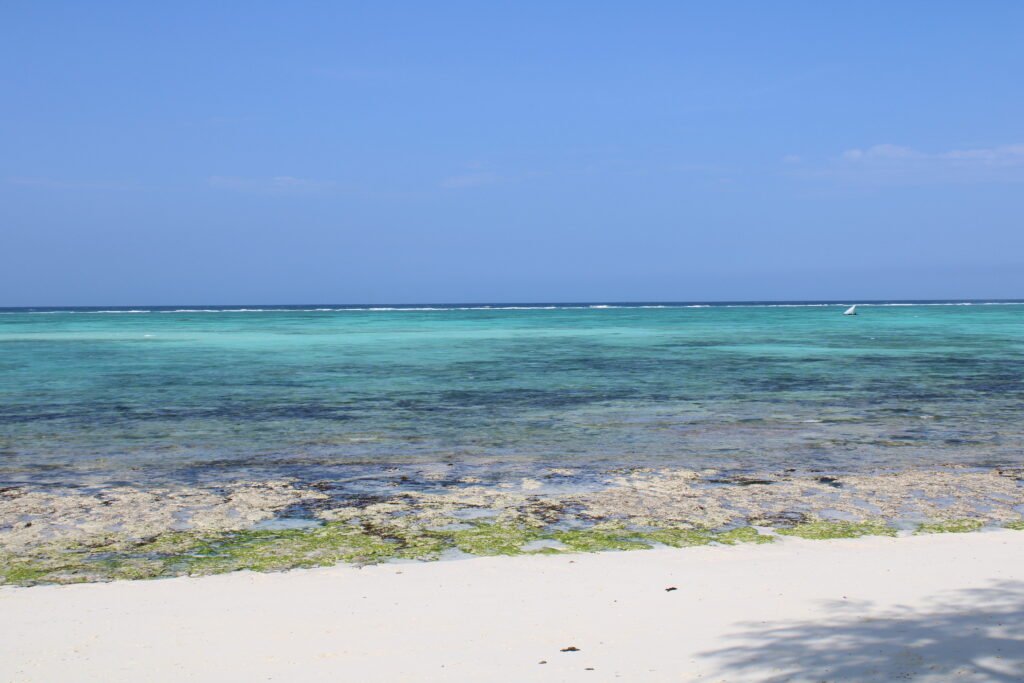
{"x":971,"y":635}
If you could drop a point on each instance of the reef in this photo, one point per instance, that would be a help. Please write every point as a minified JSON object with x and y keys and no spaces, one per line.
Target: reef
{"x":55,"y":536}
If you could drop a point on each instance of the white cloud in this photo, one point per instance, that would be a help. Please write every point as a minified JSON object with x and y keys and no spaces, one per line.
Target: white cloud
{"x":881,"y":152}
{"x":900,"y":164}
{"x":1004,"y":155}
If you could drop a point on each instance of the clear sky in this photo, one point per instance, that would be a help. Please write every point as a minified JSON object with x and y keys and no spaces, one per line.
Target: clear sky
{"x":372,"y":152}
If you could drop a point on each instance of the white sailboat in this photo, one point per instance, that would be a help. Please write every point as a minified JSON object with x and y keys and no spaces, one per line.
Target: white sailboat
{"x":852,"y":310}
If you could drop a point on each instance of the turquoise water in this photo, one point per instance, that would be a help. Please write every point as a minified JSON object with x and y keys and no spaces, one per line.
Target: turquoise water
{"x":333,"y":393}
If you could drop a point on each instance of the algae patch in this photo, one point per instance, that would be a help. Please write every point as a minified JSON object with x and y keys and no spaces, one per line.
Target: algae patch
{"x":679,"y":538}
{"x":745,"y":534}
{"x":20,"y":573}
{"x":600,"y":538}
{"x":822,"y":530}
{"x":285,"y":549}
{"x":199,"y":553}
{"x":494,"y":539}
{"x":950,"y":526}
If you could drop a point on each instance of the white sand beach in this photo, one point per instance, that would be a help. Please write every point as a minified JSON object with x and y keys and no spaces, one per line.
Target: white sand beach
{"x":929,"y":608}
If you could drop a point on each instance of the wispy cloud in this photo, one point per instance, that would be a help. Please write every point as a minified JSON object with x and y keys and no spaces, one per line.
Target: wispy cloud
{"x":880,"y":152}
{"x":1002,"y":156}
{"x":467,"y":180}
{"x":890,"y":163}
{"x":277,"y":184}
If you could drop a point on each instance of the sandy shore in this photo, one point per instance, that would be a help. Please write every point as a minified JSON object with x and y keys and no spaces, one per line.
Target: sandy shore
{"x":869,"y":609}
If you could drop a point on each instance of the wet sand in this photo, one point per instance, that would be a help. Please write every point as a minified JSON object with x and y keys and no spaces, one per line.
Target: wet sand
{"x":934,"y":607}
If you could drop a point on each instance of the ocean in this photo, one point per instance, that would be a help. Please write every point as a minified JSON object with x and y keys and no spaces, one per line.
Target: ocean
{"x":95,"y":397}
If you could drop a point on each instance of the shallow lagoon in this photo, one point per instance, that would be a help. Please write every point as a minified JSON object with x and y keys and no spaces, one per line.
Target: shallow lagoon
{"x":157,"y":442}
{"x":199,"y":395}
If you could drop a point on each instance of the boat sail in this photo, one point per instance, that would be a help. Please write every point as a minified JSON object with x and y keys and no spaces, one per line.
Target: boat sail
{"x":852,"y":310}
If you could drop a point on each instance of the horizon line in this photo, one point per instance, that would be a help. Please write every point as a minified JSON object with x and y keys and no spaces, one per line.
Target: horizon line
{"x":523,"y":304}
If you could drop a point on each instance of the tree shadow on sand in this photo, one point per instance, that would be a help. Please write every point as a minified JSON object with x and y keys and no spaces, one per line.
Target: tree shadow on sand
{"x":971,"y":635}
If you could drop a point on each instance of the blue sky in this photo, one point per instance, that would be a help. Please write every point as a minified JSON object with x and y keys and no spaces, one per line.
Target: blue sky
{"x":307,"y":152}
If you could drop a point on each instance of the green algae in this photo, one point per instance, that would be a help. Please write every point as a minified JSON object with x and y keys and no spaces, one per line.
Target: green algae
{"x":20,"y":573}
{"x":359,"y":543}
{"x":196,"y":554}
{"x":61,"y":559}
{"x":494,"y":539}
{"x":276,"y":550}
{"x":1017,"y":525}
{"x":682,"y":537}
{"x":128,"y":569}
{"x":598,"y":538}
{"x":950,"y":526}
{"x":50,"y":565}
{"x":426,"y":546}
{"x":678,"y":537}
{"x":745,"y":534}
{"x":823,"y":529}
{"x":193,"y":553}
